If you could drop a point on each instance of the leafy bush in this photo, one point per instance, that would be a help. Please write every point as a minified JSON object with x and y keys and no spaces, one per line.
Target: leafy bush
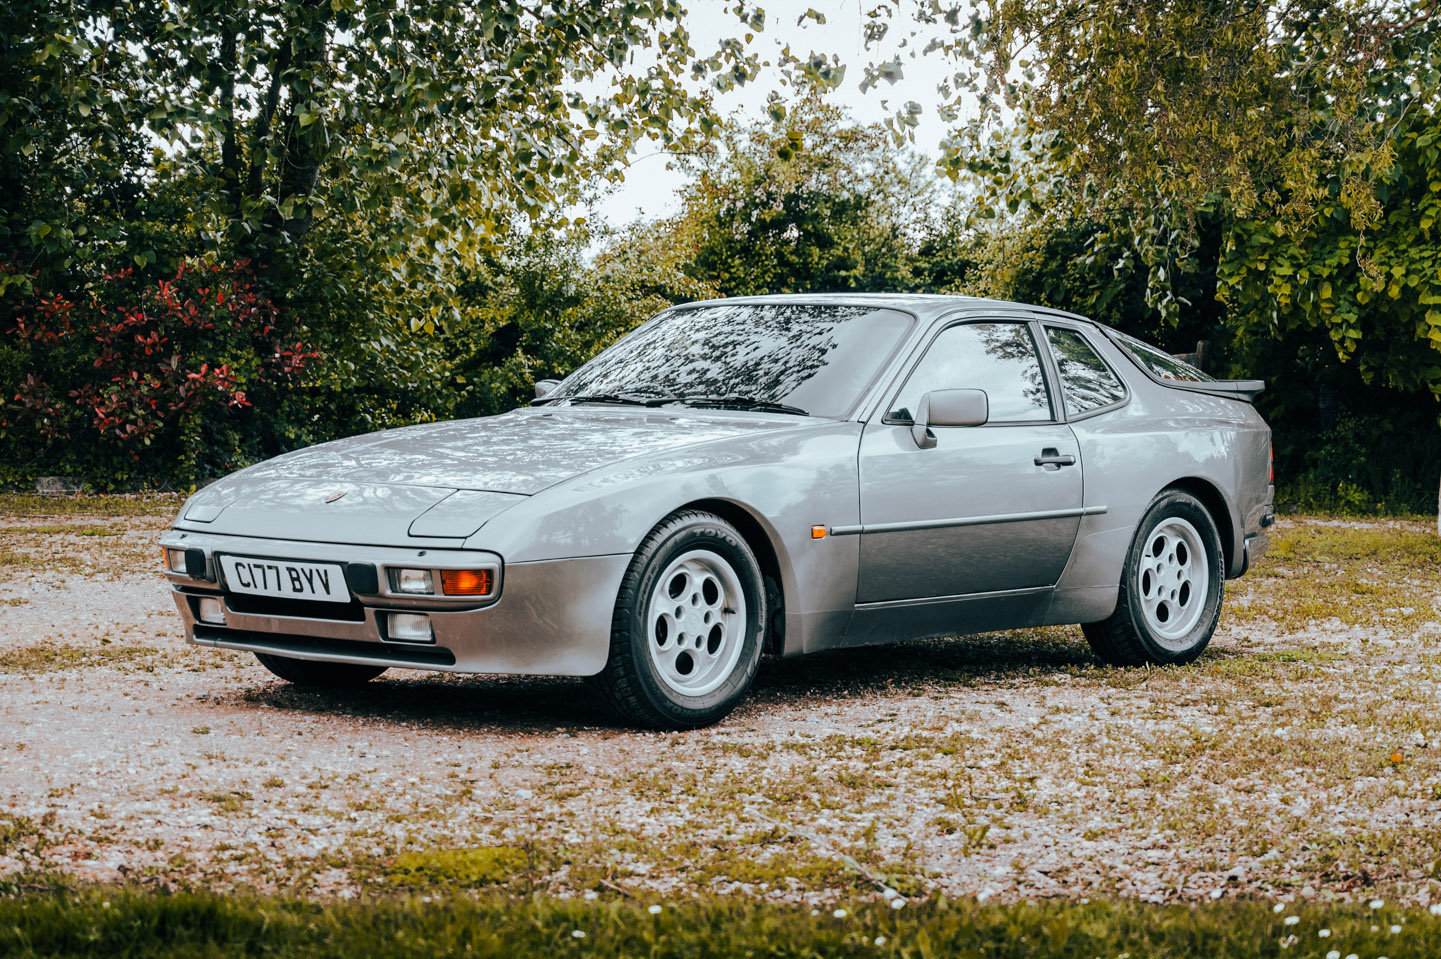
{"x":1364,"y":463}
{"x":133,"y":384}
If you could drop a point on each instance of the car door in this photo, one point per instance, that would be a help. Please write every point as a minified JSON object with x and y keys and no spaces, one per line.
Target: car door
{"x":989,"y":508}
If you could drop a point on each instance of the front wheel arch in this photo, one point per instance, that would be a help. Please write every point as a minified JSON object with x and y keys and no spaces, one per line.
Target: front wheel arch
{"x":651,"y":661}
{"x":768,"y":554}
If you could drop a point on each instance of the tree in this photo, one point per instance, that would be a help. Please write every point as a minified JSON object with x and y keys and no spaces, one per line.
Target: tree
{"x":1188,"y":100}
{"x":1276,"y":157}
{"x":356,"y":155}
{"x":432,"y":120}
{"x":809,"y":201}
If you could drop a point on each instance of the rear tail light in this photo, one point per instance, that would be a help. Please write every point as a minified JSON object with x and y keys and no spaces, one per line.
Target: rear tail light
{"x":1272,"y":454}
{"x":467,"y":582}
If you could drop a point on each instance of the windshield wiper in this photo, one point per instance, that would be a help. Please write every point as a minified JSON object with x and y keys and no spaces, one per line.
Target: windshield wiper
{"x":739,"y":402}
{"x":615,"y":399}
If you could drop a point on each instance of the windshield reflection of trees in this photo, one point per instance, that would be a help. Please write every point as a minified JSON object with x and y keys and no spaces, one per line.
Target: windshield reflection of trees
{"x":768,"y":352}
{"x":1087,"y":381}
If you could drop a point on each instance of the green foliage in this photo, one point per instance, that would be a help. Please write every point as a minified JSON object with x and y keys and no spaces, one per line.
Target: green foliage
{"x":1181,"y":103}
{"x":128,"y":921}
{"x":1364,"y":463}
{"x":431,"y":121}
{"x":808,"y":202}
{"x":1373,"y":296}
{"x":361,"y":153}
{"x":1281,"y":157}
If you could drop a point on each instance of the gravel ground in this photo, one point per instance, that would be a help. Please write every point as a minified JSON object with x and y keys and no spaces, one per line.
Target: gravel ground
{"x":1297,"y":759}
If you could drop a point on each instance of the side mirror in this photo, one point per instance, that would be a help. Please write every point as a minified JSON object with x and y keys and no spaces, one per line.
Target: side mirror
{"x":543,"y":387}
{"x":948,"y":408}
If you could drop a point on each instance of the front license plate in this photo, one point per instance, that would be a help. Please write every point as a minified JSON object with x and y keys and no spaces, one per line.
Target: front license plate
{"x":285,"y":578}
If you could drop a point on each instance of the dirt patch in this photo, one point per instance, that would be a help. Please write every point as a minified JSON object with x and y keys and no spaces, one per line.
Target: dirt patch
{"x":1298,"y":759}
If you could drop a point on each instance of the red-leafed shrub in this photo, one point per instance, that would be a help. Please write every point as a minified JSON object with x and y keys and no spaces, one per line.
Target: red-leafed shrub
{"x":131,"y":383}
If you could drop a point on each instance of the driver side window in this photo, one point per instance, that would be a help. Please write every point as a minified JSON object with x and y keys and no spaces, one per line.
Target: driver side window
{"x":999,"y":358}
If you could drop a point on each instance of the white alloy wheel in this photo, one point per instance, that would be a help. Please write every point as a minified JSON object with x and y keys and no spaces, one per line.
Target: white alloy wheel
{"x":1168,"y":601}
{"x":696,"y":622}
{"x":1172,"y":580}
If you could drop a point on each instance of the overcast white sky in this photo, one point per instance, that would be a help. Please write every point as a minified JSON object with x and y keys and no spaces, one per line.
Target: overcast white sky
{"x":650,"y":188}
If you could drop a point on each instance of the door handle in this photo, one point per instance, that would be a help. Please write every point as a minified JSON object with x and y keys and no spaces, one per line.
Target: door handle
{"x":1053,"y":459}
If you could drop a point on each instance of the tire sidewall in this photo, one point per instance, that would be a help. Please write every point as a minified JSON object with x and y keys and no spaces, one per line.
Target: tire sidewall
{"x":726,"y":543}
{"x":1176,"y":504}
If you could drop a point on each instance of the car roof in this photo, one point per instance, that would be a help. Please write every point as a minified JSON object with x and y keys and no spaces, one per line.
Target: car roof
{"x":924,"y":305}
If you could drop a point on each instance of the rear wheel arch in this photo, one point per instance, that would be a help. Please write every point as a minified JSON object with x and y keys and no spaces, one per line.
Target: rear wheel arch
{"x":1171,"y":590}
{"x":1216,"y":504}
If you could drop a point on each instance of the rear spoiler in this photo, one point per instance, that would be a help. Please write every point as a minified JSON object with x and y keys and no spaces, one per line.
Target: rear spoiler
{"x":1244,"y":390}
{"x":1230,"y":389}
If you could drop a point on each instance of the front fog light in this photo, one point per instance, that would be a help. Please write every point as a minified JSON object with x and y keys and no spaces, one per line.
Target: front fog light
{"x":411,"y":581}
{"x":211,"y":610}
{"x":410,"y":628}
{"x":174,"y":559}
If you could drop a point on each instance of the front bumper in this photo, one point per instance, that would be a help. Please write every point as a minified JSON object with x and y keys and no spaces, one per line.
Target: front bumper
{"x":551,"y":617}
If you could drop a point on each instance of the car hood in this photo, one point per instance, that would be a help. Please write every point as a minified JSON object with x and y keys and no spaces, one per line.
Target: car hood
{"x":444,"y":479}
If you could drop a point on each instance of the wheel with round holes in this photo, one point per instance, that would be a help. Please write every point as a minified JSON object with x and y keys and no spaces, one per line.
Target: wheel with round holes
{"x":1171,"y":588}
{"x":688,"y":627}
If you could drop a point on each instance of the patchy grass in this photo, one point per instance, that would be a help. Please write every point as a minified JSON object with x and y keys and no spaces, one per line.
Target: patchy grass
{"x":25,"y":834}
{"x":11,"y":557}
{"x":1382,"y":576}
{"x":94,"y":548}
{"x":61,"y":529}
{"x":466,"y":868}
{"x":47,"y":657}
{"x":228,"y":802}
{"x":24,"y":505}
{"x":43,"y":918}
{"x":1297,"y":758}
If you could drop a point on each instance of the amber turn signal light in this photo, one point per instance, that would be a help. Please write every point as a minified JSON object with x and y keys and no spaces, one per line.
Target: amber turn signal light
{"x":818,"y":532}
{"x":466,"y":582}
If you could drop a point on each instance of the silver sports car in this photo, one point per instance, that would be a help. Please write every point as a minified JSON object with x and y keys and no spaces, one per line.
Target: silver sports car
{"x":784,"y":474}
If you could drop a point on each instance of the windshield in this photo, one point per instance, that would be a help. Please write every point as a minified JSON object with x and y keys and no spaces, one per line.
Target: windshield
{"x":1163,"y":366}
{"x":806,"y":357}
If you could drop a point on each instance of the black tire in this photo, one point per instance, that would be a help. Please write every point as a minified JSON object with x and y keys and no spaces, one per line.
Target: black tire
{"x":645,"y":681}
{"x":1159,"y":619}
{"x":314,"y":672}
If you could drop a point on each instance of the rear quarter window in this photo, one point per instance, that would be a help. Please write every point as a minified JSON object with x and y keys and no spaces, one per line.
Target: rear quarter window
{"x":1087,"y":383}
